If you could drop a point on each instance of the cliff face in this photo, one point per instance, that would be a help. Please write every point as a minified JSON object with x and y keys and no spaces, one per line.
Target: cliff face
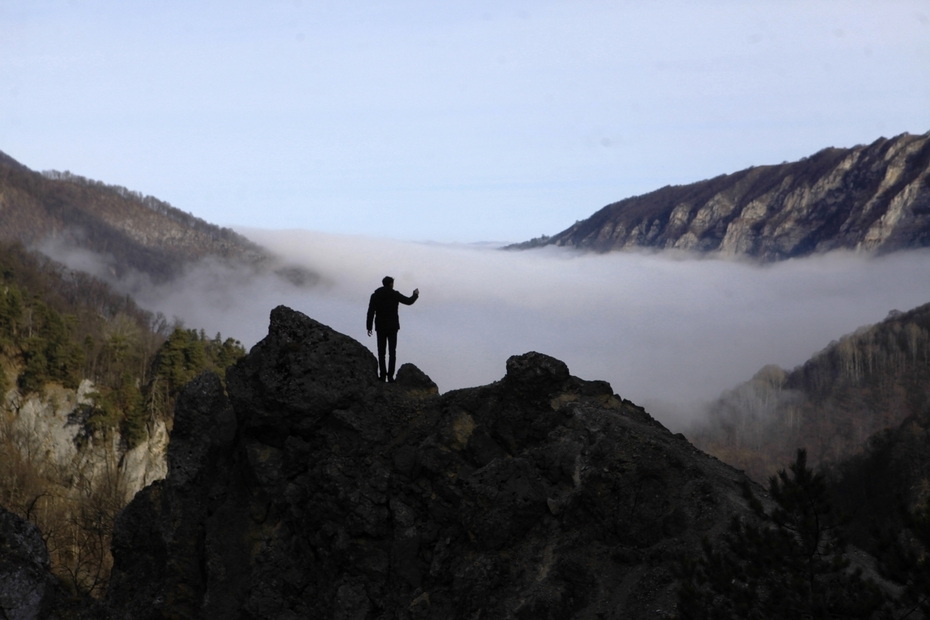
{"x":47,"y":430}
{"x":314,"y":491}
{"x":872,"y":198}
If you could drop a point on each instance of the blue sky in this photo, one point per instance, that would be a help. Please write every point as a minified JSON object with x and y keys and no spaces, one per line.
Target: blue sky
{"x":446,"y":121}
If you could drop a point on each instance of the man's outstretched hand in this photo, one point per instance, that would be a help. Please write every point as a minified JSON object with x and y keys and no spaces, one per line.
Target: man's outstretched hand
{"x":416,"y":292}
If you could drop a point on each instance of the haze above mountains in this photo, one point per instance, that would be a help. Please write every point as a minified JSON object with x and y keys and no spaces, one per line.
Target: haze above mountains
{"x":664,"y":331}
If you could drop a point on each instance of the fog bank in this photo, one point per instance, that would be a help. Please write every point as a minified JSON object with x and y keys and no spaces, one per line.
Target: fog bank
{"x":664,"y":329}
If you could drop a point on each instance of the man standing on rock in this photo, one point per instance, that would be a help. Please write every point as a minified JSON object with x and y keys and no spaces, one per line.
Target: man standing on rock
{"x":382,"y":309}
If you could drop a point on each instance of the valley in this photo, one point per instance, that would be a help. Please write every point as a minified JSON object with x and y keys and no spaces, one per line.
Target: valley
{"x":729,"y":344}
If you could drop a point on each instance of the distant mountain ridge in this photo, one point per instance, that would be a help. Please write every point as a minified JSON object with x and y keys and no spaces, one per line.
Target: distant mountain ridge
{"x":183,"y":218}
{"x":873,"y":198}
{"x":133,"y":231}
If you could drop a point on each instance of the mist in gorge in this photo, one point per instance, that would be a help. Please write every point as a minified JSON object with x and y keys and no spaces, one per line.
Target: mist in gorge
{"x":667,"y":330}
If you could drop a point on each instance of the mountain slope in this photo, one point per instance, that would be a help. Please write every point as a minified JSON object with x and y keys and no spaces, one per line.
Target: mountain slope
{"x":867,"y":381}
{"x":874,"y":198}
{"x":128,"y":230}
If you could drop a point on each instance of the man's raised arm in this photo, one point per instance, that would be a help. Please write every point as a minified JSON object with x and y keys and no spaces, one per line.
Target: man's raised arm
{"x":409,"y":300}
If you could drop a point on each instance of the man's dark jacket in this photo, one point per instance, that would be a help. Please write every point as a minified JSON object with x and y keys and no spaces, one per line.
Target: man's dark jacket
{"x":382,"y":309}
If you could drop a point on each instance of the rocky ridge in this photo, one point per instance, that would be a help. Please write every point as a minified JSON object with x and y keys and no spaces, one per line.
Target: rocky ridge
{"x":315,"y":491}
{"x":873,"y":198}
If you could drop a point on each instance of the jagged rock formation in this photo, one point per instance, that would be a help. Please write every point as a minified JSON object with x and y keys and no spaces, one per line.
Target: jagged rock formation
{"x":314,"y":491}
{"x":872,"y":198}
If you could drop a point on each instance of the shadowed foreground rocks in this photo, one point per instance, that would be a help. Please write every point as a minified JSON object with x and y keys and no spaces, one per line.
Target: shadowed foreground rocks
{"x":28,"y":590}
{"x":314,"y":491}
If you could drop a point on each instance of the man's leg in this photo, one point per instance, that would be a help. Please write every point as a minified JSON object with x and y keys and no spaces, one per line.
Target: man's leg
{"x":392,"y":350}
{"x":382,"y":341}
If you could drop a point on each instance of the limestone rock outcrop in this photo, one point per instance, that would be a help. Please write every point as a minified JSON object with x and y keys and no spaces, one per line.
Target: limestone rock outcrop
{"x":314,"y":491}
{"x":873,"y":198}
{"x":48,"y":429}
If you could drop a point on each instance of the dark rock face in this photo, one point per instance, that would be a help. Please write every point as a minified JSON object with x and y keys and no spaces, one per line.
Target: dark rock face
{"x":27,"y":589}
{"x":872,"y":198}
{"x":316,"y":492}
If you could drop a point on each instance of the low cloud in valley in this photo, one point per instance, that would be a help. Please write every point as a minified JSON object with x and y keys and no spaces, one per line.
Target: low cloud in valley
{"x":666,"y":330}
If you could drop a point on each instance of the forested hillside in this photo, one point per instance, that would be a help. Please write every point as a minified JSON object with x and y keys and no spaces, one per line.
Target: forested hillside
{"x":61,"y":330}
{"x":867,"y":381}
{"x":885,"y":491}
{"x":125,"y":229}
{"x":887,"y":480}
{"x":62,"y":326}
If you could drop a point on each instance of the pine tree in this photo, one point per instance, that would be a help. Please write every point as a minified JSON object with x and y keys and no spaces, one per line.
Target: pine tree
{"x":903,"y":557}
{"x":789,"y":564}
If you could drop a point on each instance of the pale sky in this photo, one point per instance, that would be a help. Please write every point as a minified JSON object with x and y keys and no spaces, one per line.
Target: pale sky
{"x":446,"y":121}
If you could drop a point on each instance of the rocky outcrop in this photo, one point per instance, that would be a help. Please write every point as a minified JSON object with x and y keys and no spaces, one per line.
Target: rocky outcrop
{"x":314,"y":491}
{"x":873,"y":198}
{"x":27,"y":589}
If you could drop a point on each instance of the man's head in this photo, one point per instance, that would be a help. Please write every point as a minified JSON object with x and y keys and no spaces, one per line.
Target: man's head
{"x":388,"y":281}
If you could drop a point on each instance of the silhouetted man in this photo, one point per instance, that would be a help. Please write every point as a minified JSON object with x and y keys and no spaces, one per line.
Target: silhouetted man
{"x":382,"y":309}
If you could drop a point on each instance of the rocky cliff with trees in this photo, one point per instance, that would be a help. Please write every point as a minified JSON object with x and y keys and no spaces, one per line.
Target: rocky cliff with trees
{"x":87,"y":387}
{"x":873,"y":198}
{"x":309,"y":489}
{"x":867,"y":381}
